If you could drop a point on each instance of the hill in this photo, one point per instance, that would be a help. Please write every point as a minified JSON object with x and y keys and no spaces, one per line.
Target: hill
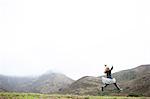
{"x":51,"y":83}
{"x":140,"y":86}
{"x":85,"y":85}
{"x":130,"y":74}
{"x":46,"y":83}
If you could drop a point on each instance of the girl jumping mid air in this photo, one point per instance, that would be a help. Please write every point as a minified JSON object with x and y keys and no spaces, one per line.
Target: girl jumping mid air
{"x":109,"y":80}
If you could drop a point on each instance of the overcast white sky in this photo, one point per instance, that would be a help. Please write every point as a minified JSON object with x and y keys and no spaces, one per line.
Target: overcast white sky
{"x":74,"y":37}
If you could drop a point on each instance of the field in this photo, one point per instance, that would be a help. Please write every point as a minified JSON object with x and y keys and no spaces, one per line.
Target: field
{"x":46,"y":96}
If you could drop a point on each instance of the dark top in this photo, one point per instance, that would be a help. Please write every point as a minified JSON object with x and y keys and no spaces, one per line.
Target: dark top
{"x":109,"y":73}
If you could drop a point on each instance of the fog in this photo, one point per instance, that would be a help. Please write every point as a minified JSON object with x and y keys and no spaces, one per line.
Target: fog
{"x":75,"y":38}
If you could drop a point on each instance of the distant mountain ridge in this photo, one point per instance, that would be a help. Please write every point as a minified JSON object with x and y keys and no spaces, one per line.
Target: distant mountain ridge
{"x":46,"y":83}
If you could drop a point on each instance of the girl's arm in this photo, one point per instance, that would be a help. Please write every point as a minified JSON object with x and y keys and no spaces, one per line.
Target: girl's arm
{"x":112,"y":68}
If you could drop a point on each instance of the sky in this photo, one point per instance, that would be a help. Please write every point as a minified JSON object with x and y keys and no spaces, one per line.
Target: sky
{"x":73,"y":37}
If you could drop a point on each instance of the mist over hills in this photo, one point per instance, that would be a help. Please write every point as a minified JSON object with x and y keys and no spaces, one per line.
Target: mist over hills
{"x":133,"y":81}
{"x":47,"y":83}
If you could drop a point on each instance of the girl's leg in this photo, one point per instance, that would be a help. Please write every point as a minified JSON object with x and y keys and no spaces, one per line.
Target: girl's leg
{"x":104,"y":86}
{"x":117,"y":86}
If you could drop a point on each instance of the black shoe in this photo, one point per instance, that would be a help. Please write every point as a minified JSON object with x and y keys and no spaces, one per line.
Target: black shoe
{"x":102,"y":89}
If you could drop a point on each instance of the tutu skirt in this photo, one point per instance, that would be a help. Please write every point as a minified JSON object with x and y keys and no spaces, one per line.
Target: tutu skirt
{"x":108,"y":80}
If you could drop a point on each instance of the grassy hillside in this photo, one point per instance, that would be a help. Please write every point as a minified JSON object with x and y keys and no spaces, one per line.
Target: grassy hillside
{"x":130,"y":74}
{"x":46,"y":96}
{"x":85,"y":85}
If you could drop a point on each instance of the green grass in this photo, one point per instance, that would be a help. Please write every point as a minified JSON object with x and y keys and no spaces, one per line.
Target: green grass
{"x":56,"y":96}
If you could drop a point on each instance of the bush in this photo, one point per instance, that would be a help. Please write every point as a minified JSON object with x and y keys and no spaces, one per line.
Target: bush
{"x":134,"y":95}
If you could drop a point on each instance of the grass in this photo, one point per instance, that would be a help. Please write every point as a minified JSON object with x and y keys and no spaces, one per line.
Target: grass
{"x":47,"y":96}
